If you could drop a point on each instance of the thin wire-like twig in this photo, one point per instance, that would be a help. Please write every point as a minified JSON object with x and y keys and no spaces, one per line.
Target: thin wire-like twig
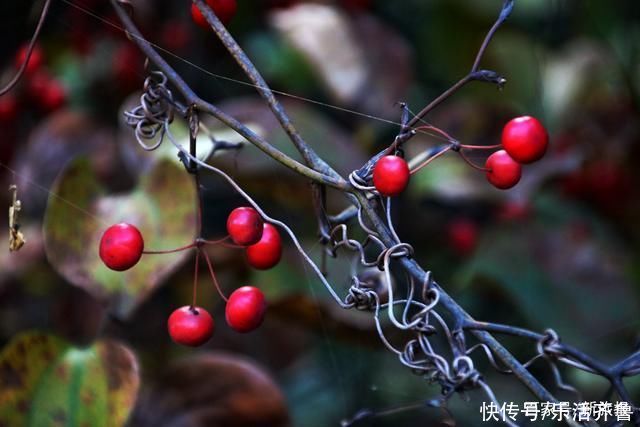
{"x":34,"y":39}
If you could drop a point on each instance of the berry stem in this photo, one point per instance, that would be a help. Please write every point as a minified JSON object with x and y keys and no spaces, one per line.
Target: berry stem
{"x":470,"y":163}
{"x":430,"y":159}
{"x":195,"y":278}
{"x":213,"y":275}
{"x":220,"y":242}
{"x":171,"y":251}
{"x":437,"y":130}
{"x":481,"y":147}
{"x":196,"y":178}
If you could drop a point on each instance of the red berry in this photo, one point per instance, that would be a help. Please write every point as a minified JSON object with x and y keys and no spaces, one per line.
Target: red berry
{"x":175,"y":35}
{"x":8,"y":108}
{"x":225,"y":10}
{"x":53,"y":97}
{"x":245,"y":226}
{"x":463,"y":235}
{"x":514,"y":210}
{"x":245,"y":309}
{"x":35,"y":61}
{"x":525,"y":139}
{"x":45,"y":91}
{"x":391,"y":175}
{"x":267,"y":252}
{"x":121,"y":247}
{"x":190,"y":326}
{"x":127,"y":66}
{"x":503,"y":172}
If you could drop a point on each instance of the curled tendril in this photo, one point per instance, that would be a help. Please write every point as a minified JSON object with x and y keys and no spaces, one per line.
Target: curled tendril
{"x":149,"y":119}
{"x":360,"y":183}
{"x":453,"y":369}
{"x":361,"y":298}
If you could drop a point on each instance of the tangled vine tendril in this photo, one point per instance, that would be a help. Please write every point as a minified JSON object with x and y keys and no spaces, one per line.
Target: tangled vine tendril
{"x":410,"y":302}
{"x":155,"y":111}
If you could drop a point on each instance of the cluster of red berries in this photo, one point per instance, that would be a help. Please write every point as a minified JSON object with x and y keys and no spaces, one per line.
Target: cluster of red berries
{"x":524,"y":141}
{"x":122,"y":246}
{"x":225,"y":10}
{"x":44,"y":91}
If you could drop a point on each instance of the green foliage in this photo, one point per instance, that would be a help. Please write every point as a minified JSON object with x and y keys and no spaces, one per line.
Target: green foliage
{"x":46,"y":382}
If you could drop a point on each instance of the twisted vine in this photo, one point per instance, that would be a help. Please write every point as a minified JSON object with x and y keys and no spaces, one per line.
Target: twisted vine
{"x":424,"y":311}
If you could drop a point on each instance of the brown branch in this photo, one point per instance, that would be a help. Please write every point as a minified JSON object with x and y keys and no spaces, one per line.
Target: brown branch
{"x":205,"y":107}
{"x":310,"y":156}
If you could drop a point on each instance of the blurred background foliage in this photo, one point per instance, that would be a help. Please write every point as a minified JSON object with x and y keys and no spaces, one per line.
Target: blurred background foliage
{"x":560,"y":250}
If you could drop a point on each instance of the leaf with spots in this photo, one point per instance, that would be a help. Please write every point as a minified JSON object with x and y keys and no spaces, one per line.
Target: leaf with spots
{"x":45,"y":381}
{"x":162,"y":206}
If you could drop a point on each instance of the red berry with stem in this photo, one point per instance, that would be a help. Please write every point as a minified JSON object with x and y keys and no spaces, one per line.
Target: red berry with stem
{"x":502,"y":171}
{"x":35,"y":61}
{"x":391,"y":175}
{"x":245,"y":226}
{"x":525,"y":139}
{"x":225,"y":10}
{"x":190,"y":326}
{"x":267,"y":252}
{"x":121,"y":246}
{"x":245,"y":309}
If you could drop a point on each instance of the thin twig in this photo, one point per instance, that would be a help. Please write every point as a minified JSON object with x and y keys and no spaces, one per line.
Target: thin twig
{"x":16,"y":78}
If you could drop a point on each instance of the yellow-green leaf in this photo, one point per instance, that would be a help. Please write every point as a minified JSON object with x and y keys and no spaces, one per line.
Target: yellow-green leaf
{"x":45,"y":381}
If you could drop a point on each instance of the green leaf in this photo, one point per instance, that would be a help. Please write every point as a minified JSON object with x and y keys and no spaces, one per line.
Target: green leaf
{"x":163,"y":207}
{"x":44,"y":381}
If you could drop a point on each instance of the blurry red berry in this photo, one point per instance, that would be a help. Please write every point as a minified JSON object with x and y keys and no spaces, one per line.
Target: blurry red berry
{"x":502,"y":171}
{"x":514,"y":210}
{"x":190,"y":326}
{"x":245,"y":309}
{"x":47,"y":93}
{"x":225,"y":10}
{"x":121,"y":246}
{"x":245,"y":226}
{"x":608,"y":185}
{"x":54,"y":96}
{"x":267,"y":252}
{"x":8,"y":108}
{"x":463,"y":235}
{"x":525,"y":139}
{"x":35,"y":61}
{"x":37,"y":83}
{"x":391,"y":175}
{"x":175,"y":35}
{"x":128,"y":66}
